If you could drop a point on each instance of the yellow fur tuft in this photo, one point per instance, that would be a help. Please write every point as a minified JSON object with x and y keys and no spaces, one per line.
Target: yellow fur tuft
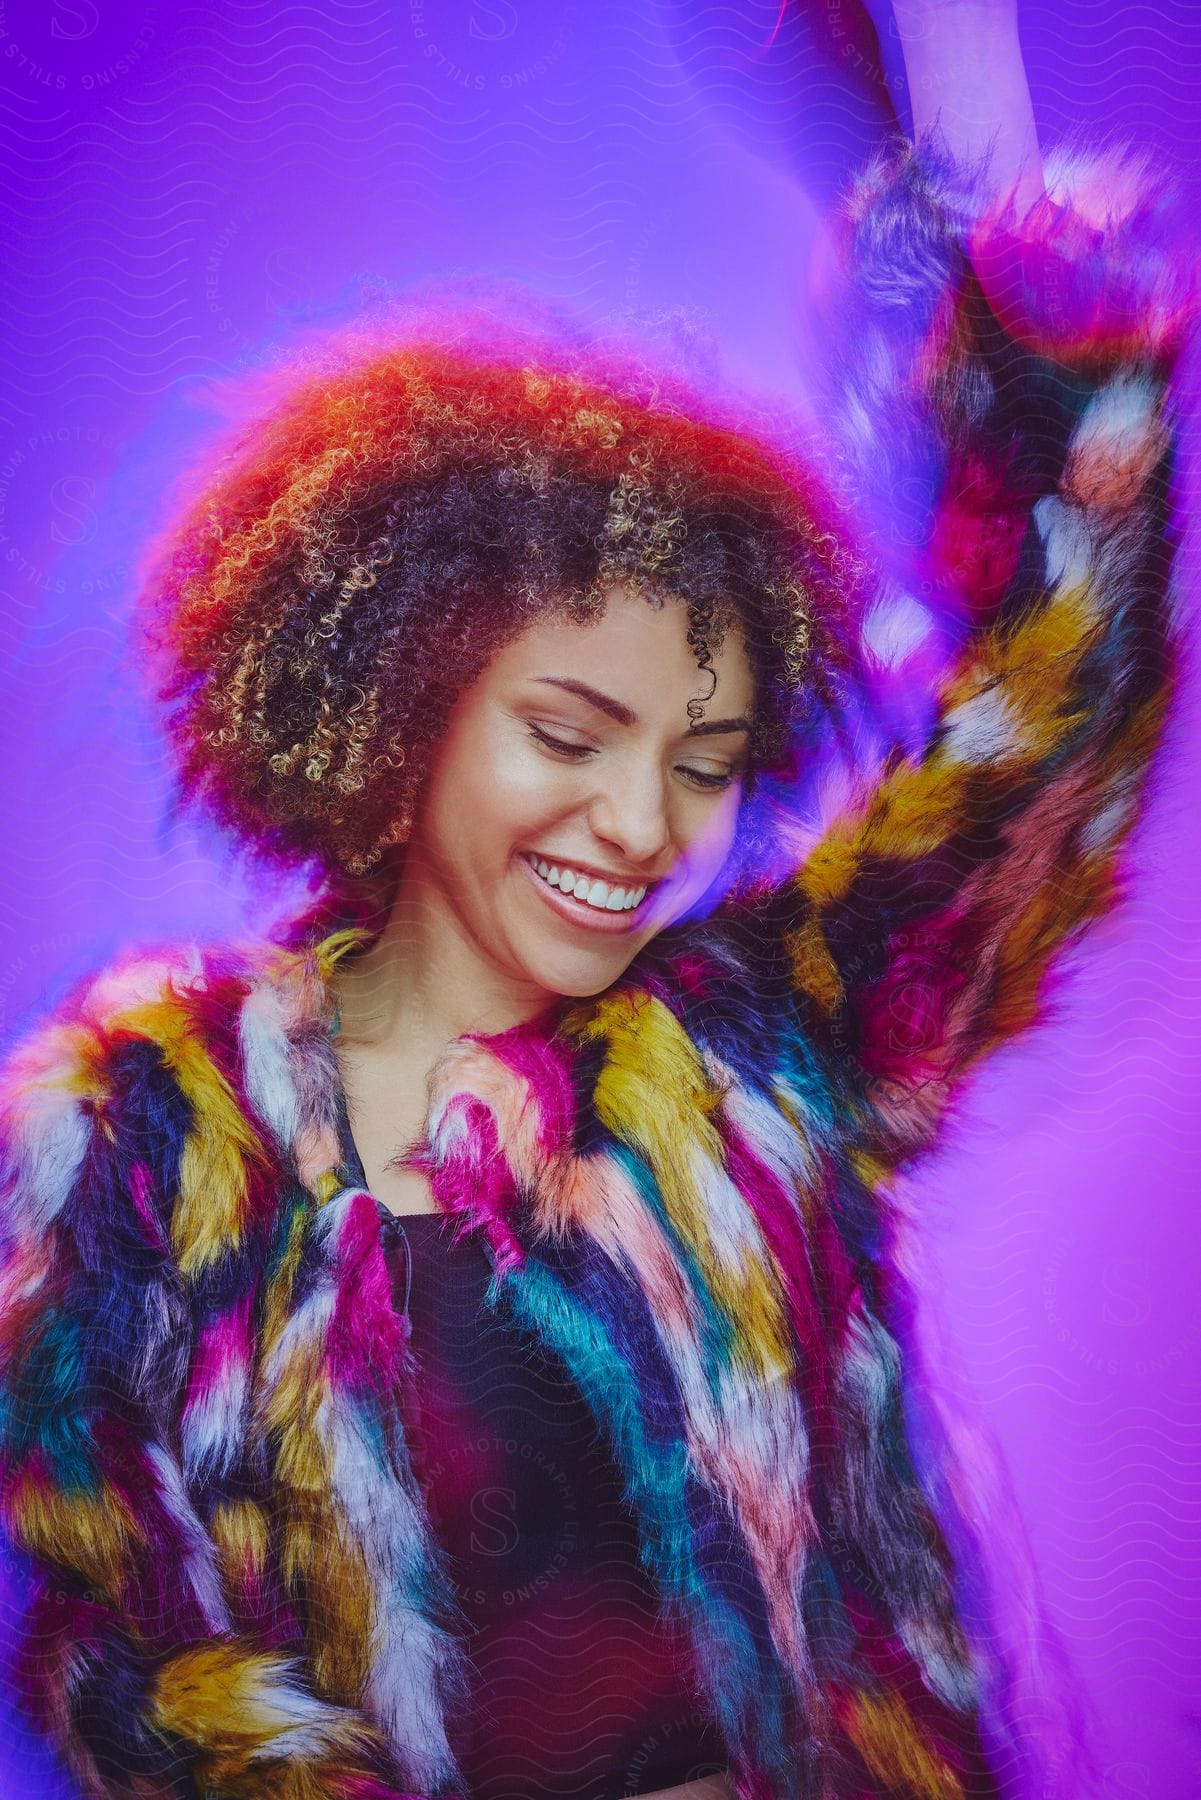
{"x":891,"y":1745}
{"x":655,"y":1094}
{"x":241,"y":1706}
{"x":210,"y":1213}
{"x":240,"y":1531}
{"x":96,"y":1534}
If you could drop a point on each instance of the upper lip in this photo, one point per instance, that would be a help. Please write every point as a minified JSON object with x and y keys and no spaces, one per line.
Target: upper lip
{"x":583,"y":868}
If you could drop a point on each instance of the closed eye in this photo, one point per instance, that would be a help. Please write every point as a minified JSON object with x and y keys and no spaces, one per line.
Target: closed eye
{"x":704,"y":778}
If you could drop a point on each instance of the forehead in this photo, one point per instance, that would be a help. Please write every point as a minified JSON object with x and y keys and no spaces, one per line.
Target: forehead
{"x":636,"y":651}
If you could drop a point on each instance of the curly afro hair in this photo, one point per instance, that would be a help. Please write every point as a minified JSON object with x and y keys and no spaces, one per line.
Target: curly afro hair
{"x":362,"y":548}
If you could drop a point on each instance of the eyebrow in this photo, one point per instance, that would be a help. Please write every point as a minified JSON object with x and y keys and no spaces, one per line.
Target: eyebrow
{"x":615,"y":709}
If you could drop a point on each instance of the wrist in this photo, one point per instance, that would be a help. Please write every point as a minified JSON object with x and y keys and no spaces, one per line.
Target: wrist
{"x":966,"y":76}
{"x":929,"y":13}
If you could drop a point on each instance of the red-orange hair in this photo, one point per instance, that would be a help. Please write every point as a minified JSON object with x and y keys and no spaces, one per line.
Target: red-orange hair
{"x":395,"y":515}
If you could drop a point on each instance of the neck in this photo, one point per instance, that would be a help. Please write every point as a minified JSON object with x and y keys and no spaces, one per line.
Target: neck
{"x":424,"y":981}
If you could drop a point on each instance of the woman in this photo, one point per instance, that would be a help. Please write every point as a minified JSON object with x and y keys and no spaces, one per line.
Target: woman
{"x":553,"y":1103}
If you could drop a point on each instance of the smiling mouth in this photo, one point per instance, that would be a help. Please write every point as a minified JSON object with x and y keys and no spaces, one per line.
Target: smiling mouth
{"x":587,"y":891}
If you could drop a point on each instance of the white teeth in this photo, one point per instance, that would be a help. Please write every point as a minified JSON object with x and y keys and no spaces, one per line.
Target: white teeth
{"x":587,"y":888}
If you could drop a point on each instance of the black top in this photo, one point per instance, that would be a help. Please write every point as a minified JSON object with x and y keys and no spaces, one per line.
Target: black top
{"x":583,"y":1691}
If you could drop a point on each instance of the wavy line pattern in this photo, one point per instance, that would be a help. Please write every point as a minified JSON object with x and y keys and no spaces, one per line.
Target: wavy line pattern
{"x":185,"y":188}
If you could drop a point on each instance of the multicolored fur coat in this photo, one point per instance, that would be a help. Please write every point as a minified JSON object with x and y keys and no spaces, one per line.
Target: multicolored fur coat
{"x":685,"y":1184}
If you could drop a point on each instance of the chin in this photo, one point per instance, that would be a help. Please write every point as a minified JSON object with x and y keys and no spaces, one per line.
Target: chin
{"x":580,"y":979}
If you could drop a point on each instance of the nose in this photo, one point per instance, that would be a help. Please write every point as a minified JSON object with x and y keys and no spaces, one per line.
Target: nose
{"x":630,"y":813}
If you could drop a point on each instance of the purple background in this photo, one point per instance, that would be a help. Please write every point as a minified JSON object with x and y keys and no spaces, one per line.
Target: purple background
{"x":183,"y":184}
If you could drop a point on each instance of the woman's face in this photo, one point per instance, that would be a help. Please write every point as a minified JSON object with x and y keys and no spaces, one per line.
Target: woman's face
{"x":568,"y":785}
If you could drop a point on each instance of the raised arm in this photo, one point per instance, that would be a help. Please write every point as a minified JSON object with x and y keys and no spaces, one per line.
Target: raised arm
{"x":964,"y":73}
{"x":1013,"y":367}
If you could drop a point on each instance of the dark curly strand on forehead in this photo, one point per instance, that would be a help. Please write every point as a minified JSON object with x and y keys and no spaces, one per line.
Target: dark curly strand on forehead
{"x":363,"y":550}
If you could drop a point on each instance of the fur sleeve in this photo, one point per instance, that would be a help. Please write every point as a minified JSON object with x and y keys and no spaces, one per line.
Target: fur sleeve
{"x":127,"y":1657}
{"x":1016,"y":453}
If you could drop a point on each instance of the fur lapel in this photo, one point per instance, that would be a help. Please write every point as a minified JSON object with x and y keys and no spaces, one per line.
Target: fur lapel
{"x":654,"y":1221}
{"x":679,"y":1222}
{"x":637,"y":1262}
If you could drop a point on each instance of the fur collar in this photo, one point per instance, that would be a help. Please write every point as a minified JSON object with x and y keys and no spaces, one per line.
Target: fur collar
{"x":586,"y":1149}
{"x":691,"y":1237}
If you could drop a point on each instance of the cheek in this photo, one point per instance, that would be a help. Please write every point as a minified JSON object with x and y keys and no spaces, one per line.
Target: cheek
{"x":713,"y":839}
{"x":521,"y":794}
{"x":705,"y":853}
{"x":493,"y":793}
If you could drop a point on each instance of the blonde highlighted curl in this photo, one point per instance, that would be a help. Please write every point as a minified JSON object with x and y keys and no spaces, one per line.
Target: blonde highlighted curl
{"x":401,"y":510}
